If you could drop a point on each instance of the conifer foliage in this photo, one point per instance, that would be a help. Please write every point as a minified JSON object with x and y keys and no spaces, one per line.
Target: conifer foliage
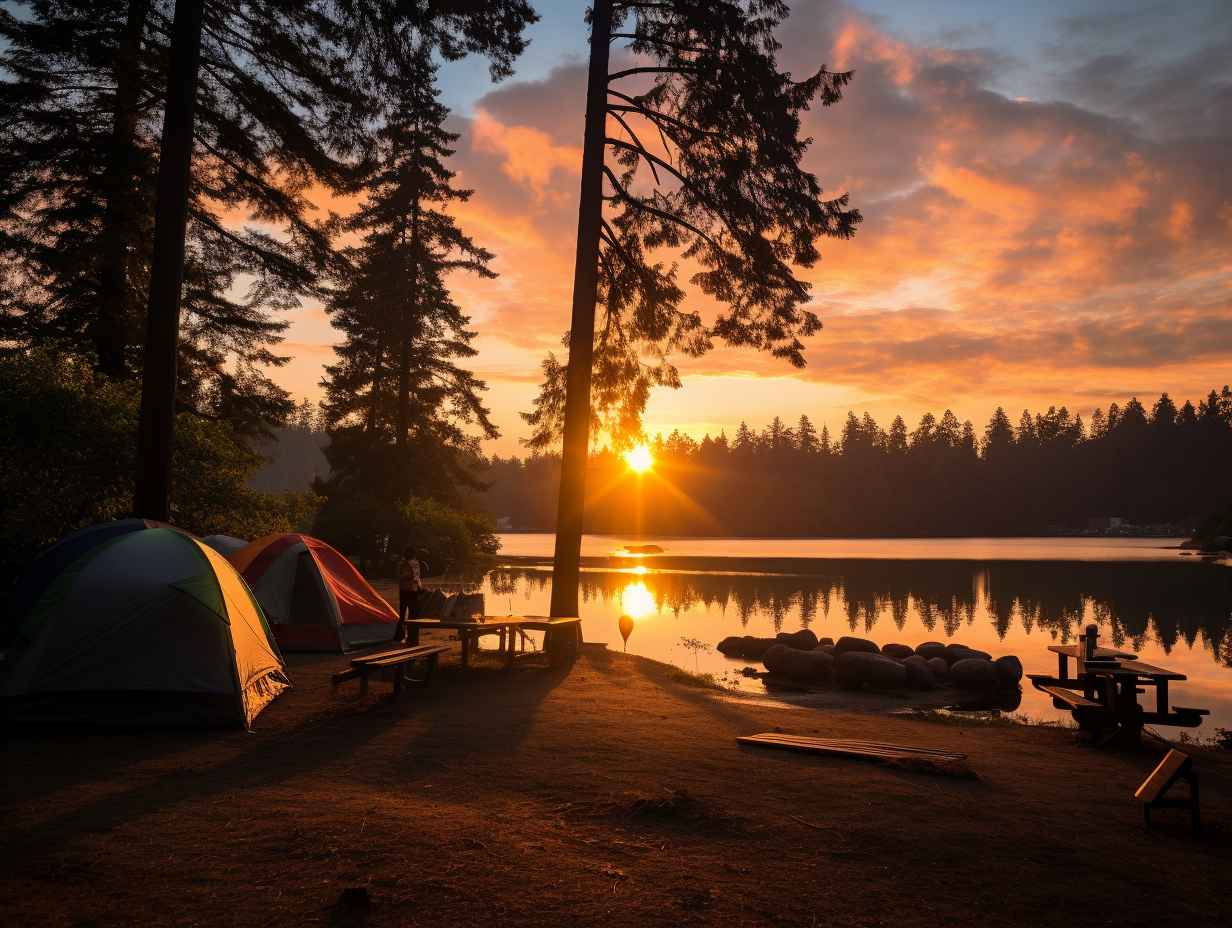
{"x":703,"y":163}
{"x":405,"y":418}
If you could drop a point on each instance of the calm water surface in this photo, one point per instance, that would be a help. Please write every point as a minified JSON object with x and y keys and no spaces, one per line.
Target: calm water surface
{"x":1004,"y":596}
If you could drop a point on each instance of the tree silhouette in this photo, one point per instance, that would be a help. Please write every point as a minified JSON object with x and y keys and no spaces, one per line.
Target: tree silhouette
{"x":704,"y":133}
{"x":397,"y":384}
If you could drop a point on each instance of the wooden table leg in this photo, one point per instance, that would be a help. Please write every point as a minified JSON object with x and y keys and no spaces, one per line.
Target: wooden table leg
{"x":1062,"y":667}
{"x":1161,"y":697}
{"x":466,"y":648}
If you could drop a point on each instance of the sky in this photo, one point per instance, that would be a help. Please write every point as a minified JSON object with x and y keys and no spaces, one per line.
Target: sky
{"x":1047,"y":203}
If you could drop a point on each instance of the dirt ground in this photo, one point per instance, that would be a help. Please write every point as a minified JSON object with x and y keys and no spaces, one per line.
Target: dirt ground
{"x":611,"y":793}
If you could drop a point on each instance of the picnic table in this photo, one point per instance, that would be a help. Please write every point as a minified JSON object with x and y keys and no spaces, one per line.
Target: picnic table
{"x":1110,"y":682}
{"x":562,"y":638}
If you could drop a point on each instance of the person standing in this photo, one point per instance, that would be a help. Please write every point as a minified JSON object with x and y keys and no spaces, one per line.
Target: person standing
{"x":411,"y":571}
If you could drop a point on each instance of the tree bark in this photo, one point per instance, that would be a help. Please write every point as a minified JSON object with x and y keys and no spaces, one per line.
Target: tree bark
{"x":571,"y":504}
{"x":156,"y":429}
{"x":111,"y":324}
{"x":409,"y":319}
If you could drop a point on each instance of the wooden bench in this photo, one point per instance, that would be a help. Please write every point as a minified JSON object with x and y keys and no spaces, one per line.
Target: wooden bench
{"x":1174,"y":767}
{"x":399,"y":660}
{"x":1068,"y":697}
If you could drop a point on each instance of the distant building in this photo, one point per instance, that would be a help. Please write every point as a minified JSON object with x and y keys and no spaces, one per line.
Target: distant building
{"x":504,"y":523}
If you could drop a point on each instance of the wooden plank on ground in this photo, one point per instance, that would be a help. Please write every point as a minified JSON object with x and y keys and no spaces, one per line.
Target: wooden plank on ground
{"x":865,"y":749}
{"x":807,"y":739}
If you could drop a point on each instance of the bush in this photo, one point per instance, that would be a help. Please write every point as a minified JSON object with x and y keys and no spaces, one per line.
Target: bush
{"x":68,"y":462}
{"x":375,"y":532}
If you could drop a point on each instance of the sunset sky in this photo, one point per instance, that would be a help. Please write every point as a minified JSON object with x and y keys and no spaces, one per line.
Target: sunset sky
{"x":1047,"y":202}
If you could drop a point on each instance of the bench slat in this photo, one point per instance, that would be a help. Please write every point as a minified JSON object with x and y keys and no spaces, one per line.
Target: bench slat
{"x":1074,"y":700}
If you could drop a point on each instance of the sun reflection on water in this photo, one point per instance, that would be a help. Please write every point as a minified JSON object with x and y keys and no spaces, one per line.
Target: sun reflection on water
{"x":637,"y":601}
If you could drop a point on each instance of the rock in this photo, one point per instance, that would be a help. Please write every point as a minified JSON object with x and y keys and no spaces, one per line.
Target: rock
{"x":958,"y":652}
{"x":750,"y":672}
{"x":848,"y":643}
{"x":827,"y":640}
{"x":745,"y":646}
{"x":854,"y":669}
{"x":919,"y":674}
{"x":806,"y":666}
{"x":974,"y":673}
{"x":1009,"y":670}
{"x":773,"y":659}
{"x":803,"y":640}
{"x":930,"y":649}
{"x":826,"y":646}
{"x":939,"y":667}
{"x":900,"y":652}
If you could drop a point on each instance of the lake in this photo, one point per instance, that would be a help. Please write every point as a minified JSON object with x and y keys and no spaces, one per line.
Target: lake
{"x":1001,"y":595}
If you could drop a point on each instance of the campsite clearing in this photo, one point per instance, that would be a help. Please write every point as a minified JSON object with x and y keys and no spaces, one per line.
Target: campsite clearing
{"x":611,"y":793}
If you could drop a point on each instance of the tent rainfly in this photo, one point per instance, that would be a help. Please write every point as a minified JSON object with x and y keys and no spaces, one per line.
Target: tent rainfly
{"x":315,"y":598}
{"x":224,"y":544}
{"x":135,"y":623}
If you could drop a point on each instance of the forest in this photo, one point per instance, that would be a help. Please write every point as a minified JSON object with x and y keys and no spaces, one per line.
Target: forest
{"x":1047,"y":472}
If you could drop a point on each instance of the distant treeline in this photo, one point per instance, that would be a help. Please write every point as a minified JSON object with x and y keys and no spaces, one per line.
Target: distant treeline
{"x":1162,"y":465}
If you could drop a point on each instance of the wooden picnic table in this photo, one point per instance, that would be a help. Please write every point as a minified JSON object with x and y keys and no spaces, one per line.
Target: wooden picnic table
{"x":562,"y":639}
{"x":1110,"y":682}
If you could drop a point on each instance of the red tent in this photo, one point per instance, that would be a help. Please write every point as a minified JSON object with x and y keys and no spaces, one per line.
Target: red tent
{"x":314,"y":597}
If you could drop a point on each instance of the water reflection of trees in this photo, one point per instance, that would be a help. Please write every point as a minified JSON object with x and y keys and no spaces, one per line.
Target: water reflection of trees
{"x":1168,"y":603}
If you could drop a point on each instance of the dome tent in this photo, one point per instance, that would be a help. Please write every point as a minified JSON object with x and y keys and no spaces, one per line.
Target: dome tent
{"x":133,"y":623}
{"x":315,"y":598}
{"x":224,"y":544}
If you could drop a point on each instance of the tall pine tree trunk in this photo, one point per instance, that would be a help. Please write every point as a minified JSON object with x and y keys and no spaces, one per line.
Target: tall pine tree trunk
{"x":110,"y":326}
{"x":409,"y":319}
{"x":156,"y":430}
{"x":582,"y":327}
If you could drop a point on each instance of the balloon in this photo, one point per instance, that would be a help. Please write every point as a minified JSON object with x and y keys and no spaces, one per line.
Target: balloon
{"x":626,"y":629}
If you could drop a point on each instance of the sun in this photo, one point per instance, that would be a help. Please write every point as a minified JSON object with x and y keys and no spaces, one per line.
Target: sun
{"x":639,"y":459}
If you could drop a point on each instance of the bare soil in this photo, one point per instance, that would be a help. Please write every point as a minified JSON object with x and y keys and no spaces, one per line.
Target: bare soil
{"x":610,"y":793}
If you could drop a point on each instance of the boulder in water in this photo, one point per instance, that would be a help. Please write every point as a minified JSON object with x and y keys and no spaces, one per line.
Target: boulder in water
{"x":827,"y":640}
{"x":805,"y":666}
{"x":930,"y":649}
{"x":745,"y":646}
{"x":855,"y":669}
{"x":773,"y":659}
{"x":939,"y":667}
{"x":900,"y":652}
{"x":958,"y":652}
{"x":919,"y":674}
{"x":848,"y":643}
{"x":974,"y":673}
{"x":826,"y":647}
{"x":1009,"y":670}
{"x":803,"y":640}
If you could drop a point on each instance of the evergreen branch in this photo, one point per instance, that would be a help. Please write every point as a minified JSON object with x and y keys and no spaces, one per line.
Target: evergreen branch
{"x":646,"y":69}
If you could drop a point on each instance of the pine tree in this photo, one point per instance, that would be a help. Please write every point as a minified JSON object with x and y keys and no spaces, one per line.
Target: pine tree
{"x":724,"y":188}
{"x":896,"y":438}
{"x":806,"y":436}
{"x":998,"y":436}
{"x":287,"y":98}
{"x":398,"y":384}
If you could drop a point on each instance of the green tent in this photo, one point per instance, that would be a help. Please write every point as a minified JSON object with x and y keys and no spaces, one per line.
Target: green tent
{"x":135,"y":623}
